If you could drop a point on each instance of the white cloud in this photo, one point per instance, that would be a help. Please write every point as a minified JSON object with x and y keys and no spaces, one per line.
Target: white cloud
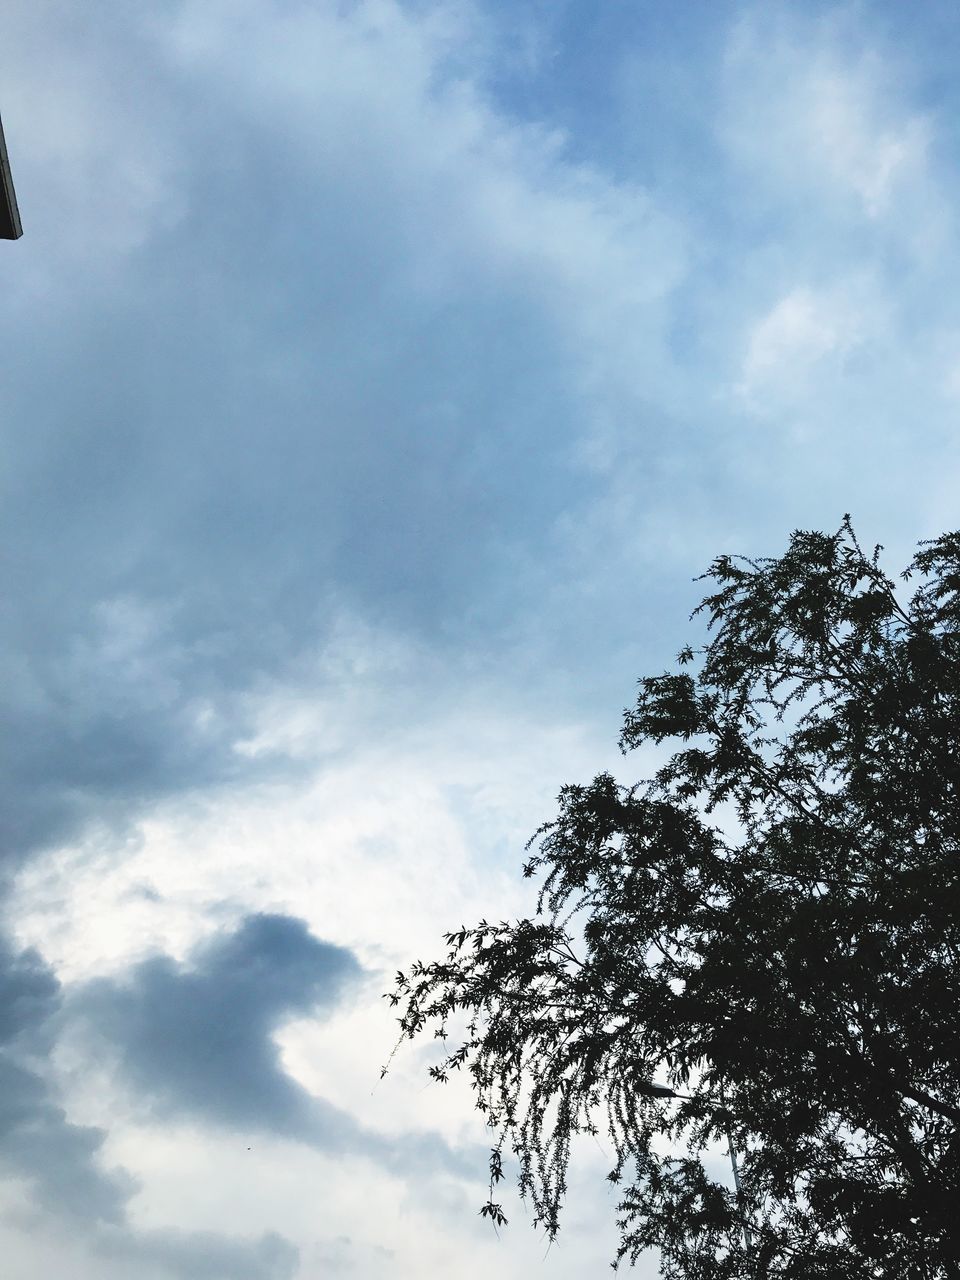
{"x":808,"y":106}
{"x":369,"y":1222}
{"x":446,"y":802}
{"x":875,"y":160}
{"x":806,"y":335}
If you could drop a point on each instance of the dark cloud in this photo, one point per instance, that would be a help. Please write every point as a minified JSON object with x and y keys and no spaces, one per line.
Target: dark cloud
{"x":59,"y":1160}
{"x":202,"y":1255}
{"x":219,"y":434}
{"x":29,"y":994}
{"x":196,"y":1039}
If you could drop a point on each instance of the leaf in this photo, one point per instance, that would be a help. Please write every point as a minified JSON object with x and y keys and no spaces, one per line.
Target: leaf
{"x":495,"y":1213}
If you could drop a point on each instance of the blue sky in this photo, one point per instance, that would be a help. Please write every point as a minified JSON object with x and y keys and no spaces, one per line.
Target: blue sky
{"x":377,"y":377}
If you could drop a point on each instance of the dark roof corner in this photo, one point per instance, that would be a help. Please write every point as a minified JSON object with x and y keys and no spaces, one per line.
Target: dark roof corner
{"x":10,"y":228}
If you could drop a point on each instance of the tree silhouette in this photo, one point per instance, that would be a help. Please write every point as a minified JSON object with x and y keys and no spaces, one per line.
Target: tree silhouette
{"x":771,"y":924}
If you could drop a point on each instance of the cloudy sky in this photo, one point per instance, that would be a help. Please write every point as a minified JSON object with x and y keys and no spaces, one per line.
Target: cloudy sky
{"x":376,"y":377}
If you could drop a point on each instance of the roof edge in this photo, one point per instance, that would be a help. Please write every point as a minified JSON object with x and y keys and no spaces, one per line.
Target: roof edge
{"x":10,"y":226}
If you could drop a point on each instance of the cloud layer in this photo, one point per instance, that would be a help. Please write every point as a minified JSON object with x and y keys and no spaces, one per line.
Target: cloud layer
{"x":376,"y":378}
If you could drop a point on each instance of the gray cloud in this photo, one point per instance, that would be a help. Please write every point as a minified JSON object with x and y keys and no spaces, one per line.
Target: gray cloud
{"x":303,"y":323}
{"x":202,"y":1255}
{"x":29,"y":994}
{"x":364,"y":390}
{"x":225,"y":420}
{"x":196,"y":1040}
{"x":59,"y":1160}
{"x":222,"y":431}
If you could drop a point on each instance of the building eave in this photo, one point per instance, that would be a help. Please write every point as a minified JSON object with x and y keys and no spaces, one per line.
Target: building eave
{"x":10,"y":228}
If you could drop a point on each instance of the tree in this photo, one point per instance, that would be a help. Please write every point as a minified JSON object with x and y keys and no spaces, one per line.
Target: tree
{"x":771,"y":925}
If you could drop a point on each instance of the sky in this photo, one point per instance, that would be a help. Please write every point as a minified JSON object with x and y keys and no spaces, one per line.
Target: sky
{"x":377,"y":378}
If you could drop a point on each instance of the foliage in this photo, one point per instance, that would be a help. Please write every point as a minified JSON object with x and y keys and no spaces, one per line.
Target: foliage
{"x":771,"y":924}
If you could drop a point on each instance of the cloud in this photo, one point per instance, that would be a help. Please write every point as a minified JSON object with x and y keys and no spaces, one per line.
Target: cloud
{"x":61,"y":1163}
{"x":835,"y":120}
{"x":805,"y":337}
{"x":59,"y":1160}
{"x":29,"y":994}
{"x":200,"y":1255}
{"x":362,"y":391}
{"x":96,"y":178}
{"x":197,"y":1038}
